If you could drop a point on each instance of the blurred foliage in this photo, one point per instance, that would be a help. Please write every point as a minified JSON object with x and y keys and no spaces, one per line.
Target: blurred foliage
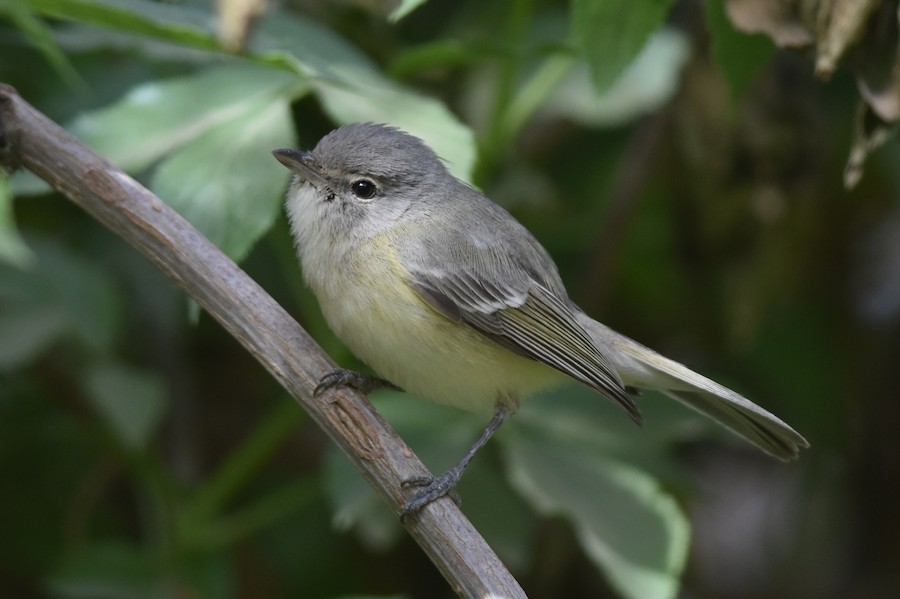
{"x":686,"y":174}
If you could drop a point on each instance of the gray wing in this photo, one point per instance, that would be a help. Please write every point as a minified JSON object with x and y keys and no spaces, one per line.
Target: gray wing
{"x":512,"y":295}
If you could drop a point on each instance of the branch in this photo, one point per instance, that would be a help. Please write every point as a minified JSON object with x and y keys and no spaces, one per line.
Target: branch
{"x":31,"y":140}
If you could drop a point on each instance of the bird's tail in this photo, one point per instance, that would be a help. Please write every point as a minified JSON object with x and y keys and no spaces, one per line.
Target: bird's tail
{"x":641,"y":367}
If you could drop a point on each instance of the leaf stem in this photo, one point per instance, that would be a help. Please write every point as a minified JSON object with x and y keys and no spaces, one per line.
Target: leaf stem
{"x":211,"y":498}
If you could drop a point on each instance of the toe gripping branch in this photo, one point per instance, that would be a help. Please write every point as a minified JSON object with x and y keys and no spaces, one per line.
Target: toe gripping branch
{"x":341,"y":377}
{"x":435,"y":487}
{"x":430,"y":487}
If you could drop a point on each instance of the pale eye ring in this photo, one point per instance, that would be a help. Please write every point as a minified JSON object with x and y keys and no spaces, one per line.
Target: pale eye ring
{"x":364,"y":189}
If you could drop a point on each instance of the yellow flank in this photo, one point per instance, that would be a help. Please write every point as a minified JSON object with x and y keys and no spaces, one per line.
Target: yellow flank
{"x":384,"y":322}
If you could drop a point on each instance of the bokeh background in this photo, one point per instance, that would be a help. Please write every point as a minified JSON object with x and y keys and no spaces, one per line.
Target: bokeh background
{"x":695,"y":200}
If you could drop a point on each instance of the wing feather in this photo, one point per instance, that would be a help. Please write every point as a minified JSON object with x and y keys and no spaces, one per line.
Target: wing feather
{"x":535,"y":324}
{"x":480,"y":267}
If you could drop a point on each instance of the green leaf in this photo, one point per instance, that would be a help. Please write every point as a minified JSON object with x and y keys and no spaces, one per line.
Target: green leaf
{"x":574,"y":454}
{"x":107,"y":569}
{"x":62,"y":297}
{"x":217,"y":491}
{"x":612,"y":32}
{"x":226,"y":182}
{"x":158,"y":117}
{"x":130,"y":401}
{"x":739,"y":56}
{"x":582,"y":417}
{"x":404,"y":8}
{"x":25,"y":183}
{"x":12,"y":249}
{"x":160,"y":20}
{"x":27,"y":332}
{"x":39,"y":34}
{"x":645,"y":85}
{"x":118,"y":569}
{"x":436,"y":54}
{"x":355,"y":506}
{"x":216,"y":130}
{"x":271,"y":508}
{"x":626,"y":524}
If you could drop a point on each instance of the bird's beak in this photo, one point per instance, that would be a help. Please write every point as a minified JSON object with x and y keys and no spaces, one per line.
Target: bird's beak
{"x":302,"y":163}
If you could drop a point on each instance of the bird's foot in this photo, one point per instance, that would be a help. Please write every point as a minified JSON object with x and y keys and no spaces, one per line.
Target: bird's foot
{"x":430,"y":488}
{"x":365,"y":383}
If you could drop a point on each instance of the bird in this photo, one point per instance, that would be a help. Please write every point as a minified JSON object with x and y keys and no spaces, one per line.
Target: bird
{"x":444,"y":294}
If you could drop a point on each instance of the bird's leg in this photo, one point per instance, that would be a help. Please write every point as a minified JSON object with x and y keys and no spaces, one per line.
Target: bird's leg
{"x":436,"y":487}
{"x":365,"y":383}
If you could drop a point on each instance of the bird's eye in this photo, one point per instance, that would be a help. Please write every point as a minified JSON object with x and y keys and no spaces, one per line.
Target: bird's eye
{"x":364,"y":189}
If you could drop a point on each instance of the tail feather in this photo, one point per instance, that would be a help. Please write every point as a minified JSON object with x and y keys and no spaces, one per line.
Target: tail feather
{"x":763,"y":429}
{"x":644,"y":368}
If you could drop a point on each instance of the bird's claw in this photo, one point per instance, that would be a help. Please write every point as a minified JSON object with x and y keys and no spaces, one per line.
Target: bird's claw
{"x":431,"y":488}
{"x":364,"y":383}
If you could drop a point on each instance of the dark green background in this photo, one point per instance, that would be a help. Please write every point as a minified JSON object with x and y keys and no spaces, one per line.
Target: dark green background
{"x":715,"y":229}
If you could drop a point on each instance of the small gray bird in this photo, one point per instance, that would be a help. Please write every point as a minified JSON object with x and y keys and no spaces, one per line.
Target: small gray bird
{"x":445,"y":295}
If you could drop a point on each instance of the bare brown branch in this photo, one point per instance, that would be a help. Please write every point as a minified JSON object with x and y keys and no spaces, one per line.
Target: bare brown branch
{"x":29,"y":139}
